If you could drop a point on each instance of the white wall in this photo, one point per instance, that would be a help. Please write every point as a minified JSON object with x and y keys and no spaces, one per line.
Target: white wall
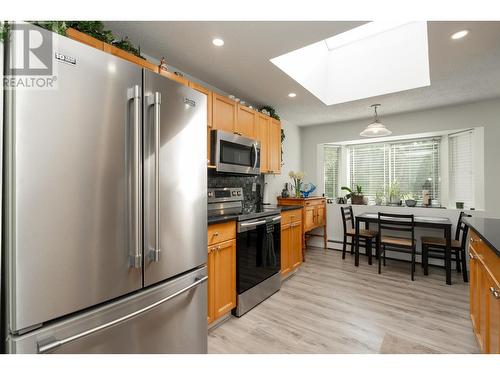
{"x":481,"y":114}
{"x":291,"y":162}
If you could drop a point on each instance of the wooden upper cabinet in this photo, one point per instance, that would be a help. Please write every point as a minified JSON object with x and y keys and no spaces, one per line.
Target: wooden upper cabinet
{"x":208,"y":93}
{"x":246,"y":120}
{"x":275,"y":146}
{"x":262,"y":135}
{"x":223,"y":113}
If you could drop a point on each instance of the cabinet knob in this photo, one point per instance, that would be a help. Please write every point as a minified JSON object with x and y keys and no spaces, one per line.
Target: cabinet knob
{"x":216,"y":234}
{"x":494,"y":293}
{"x":471,"y":256}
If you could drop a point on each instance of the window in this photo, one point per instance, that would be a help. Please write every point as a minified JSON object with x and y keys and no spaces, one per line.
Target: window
{"x":331,"y":170}
{"x":460,"y":168}
{"x":413,"y":164}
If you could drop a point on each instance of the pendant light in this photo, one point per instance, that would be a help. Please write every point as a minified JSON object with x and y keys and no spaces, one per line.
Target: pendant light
{"x":376,"y":128}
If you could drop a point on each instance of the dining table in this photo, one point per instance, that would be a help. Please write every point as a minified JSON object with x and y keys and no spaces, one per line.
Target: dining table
{"x":434,"y":222}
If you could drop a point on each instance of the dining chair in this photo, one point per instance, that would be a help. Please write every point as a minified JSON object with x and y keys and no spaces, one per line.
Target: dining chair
{"x":366,"y":237}
{"x":405,"y":225}
{"x":434,"y":247}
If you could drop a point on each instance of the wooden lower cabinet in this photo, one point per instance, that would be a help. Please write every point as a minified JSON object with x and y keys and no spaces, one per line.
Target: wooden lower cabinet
{"x":484,"y":294}
{"x":291,"y":241}
{"x":313,"y":215}
{"x":221,"y":272}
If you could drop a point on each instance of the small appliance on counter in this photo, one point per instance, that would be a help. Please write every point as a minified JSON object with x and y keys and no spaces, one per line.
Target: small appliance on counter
{"x":257,"y":246}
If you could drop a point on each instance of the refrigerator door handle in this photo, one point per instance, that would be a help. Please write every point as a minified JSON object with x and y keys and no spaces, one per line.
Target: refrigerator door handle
{"x":155,"y":100}
{"x":134,"y":94}
{"x":43,"y":348}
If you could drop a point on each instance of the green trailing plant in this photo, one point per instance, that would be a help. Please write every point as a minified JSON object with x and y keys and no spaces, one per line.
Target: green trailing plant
{"x":58,"y":27}
{"x":272,"y":112}
{"x":126,"y":45}
{"x":4,"y":31}
{"x":95,"y":29}
{"x":282,"y":140}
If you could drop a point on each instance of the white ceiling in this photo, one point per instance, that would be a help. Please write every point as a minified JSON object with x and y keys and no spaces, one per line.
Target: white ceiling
{"x":461,"y":71}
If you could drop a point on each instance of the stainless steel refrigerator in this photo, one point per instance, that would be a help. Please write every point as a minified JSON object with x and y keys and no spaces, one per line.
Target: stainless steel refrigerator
{"x":105,"y":210}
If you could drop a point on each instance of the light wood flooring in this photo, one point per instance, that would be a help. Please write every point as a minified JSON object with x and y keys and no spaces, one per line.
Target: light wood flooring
{"x":330,"y":306}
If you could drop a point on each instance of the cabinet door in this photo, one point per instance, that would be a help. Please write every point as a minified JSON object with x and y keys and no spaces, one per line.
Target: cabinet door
{"x":246,"y":120}
{"x":210,"y":285}
{"x":296,"y":244}
{"x":224,"y":113}
{"x":484,"y":296}
{"x":320,"y":215}
{"x":225,"y":278}
{"x":286,"y":249}
{"x":208,"y":93}
{"x":275,"y":146}
{"x":263,"y":136}
{"x":474,"y":289}
{"x":309,"y":218}
{"x":493,"y":315}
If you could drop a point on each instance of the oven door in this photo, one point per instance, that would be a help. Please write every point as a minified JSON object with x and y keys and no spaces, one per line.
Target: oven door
{"x":235,"y":154}
{"x":257,"y":251}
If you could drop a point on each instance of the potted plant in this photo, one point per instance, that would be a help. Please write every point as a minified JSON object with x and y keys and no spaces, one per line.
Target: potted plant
{"x":393,"y":193}
{"x":410,"y":201}
{"x":378,"y":197}
{"x":356,"y":196}
{"x":297,"y":181}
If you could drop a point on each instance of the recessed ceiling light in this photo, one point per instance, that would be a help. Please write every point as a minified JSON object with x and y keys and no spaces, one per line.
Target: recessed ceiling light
{"x":292,"y":95}
{"x":460,"y":34}
{"x":218,"y":42}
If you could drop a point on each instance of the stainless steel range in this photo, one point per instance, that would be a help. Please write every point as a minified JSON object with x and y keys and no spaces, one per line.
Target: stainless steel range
{"x":257,"y":246}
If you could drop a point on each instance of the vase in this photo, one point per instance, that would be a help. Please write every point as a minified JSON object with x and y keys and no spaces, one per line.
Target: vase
{"x":297,"y":189}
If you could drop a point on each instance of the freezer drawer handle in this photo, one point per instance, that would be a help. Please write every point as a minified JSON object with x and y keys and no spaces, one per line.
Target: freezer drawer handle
{"x":55,"y":344}
{"x":136,"y":258}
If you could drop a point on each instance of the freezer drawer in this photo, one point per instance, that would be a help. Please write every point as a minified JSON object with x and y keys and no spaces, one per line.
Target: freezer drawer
{"x":168,"y":318}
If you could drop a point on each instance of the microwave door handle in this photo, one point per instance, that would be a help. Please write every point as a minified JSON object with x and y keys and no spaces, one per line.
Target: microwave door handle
{"x":255,"y":155}
{"x":134,"y":94}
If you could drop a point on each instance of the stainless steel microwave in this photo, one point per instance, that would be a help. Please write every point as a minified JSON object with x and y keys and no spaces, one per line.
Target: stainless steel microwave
{"x":233,"y":153}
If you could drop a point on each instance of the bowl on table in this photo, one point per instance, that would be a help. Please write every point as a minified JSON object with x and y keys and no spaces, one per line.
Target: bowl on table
{"x":410,"y":202}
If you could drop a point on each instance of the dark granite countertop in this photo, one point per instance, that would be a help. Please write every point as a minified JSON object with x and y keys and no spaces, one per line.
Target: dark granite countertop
{"x":221,"y":219}
{"x":488,"y":230}
{"x":288,"y":208}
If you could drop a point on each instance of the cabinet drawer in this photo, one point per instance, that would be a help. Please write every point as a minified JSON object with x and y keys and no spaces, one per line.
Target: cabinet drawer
{"x":221,"y":232}
{"x":485,"y":254}
{"x":315,"y":202}
{"x":292,"y":216}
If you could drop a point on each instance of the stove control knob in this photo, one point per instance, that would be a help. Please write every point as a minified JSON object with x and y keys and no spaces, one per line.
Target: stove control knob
{"x":233,"y":193}
{"x":239,"y":193}
{"x":209,"y":194}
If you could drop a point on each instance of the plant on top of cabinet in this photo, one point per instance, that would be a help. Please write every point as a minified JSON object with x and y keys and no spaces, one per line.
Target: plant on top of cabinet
{"x":270,"y":111}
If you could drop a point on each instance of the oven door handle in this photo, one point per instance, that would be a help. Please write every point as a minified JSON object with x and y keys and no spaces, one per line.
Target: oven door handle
{"x":251,"y":224}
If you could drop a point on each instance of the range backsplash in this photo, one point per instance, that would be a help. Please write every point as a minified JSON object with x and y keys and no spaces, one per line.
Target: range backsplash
{"x":251,"y":198}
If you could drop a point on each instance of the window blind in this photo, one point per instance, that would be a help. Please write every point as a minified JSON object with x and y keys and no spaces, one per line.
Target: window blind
{"x":413,"y":164}
{"x":461,"y":171}
{"x":331,"y":170}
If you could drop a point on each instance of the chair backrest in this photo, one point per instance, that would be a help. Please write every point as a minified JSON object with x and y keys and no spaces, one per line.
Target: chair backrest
{"x":347,"y":216}
{"x":396,"y":222}
{"x":462,"y":228}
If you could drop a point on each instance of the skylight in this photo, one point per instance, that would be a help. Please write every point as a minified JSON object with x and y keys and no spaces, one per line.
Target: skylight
{"x":373,"y":59}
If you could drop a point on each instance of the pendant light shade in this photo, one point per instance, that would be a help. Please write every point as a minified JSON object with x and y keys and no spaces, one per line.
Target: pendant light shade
{"x":376,"y":128}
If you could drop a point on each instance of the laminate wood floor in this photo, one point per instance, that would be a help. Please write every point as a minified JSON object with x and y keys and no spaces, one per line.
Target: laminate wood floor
{"x":330,"y":306}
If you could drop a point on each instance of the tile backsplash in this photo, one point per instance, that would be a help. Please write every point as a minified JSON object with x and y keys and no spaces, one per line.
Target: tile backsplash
{"x":251,"y":198}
